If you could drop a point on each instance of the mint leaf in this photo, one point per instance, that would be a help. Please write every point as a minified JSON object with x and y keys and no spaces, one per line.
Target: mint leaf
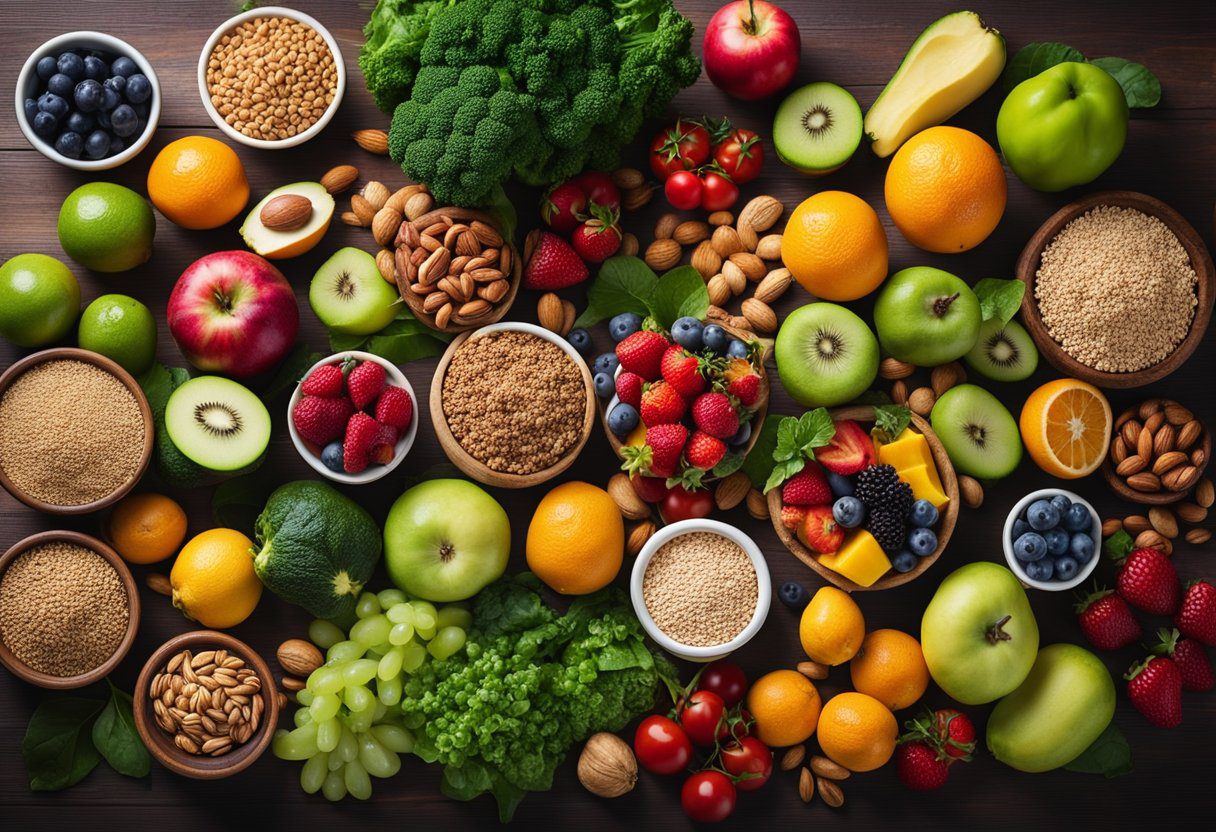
{"x":782,"y":471}
{"x":1109,"y":755}
{"x":58,"y":744}
{"x":1118,"y":545}
{"x":815,"y":429}
{"x":1140,"y":87}
{"x":1033,"y":58}
{"x":999,"y":298}
{"x":730,"y":463}
{"x":890,"y":421}
{"x":115,"y":737}
{"x":679,"y":292}
{"x":759,"y":463}
{"x":624,"y":284}
{"x":797,"y":439}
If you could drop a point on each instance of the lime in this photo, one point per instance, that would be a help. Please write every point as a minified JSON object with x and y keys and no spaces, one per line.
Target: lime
{"x":122,"y":329}
{"x":39,"y":300}
{"x":106,"y":227}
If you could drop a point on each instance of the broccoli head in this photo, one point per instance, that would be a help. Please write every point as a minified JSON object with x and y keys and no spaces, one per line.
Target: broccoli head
{"x":393,"y":40}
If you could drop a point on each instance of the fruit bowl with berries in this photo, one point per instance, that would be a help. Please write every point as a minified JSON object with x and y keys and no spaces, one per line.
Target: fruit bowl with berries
{"x":353,"y":417}
{"x":871,"y":499}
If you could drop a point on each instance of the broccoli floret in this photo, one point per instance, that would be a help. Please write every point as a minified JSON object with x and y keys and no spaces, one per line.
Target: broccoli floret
{"x":394,"y":37}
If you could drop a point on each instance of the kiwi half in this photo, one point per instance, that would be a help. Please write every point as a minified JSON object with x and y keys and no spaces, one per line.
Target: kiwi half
{"x":817,"y":128}
{"x":1003,"y":352}
{"x":978,"y":432}
{"x":217,"y":423}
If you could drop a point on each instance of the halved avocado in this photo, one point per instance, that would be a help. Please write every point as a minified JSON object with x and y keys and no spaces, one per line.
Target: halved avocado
{"x":279,"y":245}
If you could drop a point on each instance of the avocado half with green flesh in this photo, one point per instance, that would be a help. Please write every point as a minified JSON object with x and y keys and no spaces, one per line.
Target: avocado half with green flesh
{"x":817,"y":128}
{"x":1003,"y":351}
{"x":218,"y":425}
{"x":279,"y":244}
{"x":349,"y":295}
{"x":950,"y":65}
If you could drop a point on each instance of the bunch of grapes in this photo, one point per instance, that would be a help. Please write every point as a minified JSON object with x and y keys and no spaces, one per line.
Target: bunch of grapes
{"x":348,"y":727}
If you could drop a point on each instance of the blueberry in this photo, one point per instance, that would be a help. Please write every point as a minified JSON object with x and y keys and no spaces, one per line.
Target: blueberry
{"x":97,"y":145}
{"x":56,"y":105}
{"x":88,"y":96}
{"x":1061,"y":503}
{"x":715,"y":338}
{"x":117,"y":146}
{"x":331,"y":457}
{"x":736,"y":349}
{"x":923,"y":514}
{"x":848,"y":512}
{"x":61,"y":85}
{"x":46,"y":67}
{"x":95,"y":68}
{"x":1066,"y":569}
{"x":841,"y":485}
{"x":123,"y":121}
{"x":1020,"y":527}
{"x":69,"y":144}
{"x":741,"y":436}
{"x":103,"y":119}
{"x":580,"y":339}
{"x":71,"y":65}
{"x":1040,"y":570}
{"x":605,"y":385}
{"x":688,"y":333}
{"x":793,"y":595}
{"x":623,"y":419}
{"x":606,"y":363}
{"x":1057,"y":542}
{"x":904,"y":562}
{"x":623,"y":325}
{"x":922,"y":542}
{"x":139,"y":89}
{"x":1042,"y":516}
{"x":31,"y":109}
{"x":141,"y":110}
{"x":1081,"y":547}
{"x":116,"y":83}
{"x":1029,"y":547}
{"x":110,"y":99}
{"x":81,"y":123}
{"x":1077,"y":518}
{"x":124,"y":67}
{"x":44,"y":124}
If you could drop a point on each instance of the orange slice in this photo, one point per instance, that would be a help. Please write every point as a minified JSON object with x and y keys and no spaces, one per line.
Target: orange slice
{"x":1066,"y":427}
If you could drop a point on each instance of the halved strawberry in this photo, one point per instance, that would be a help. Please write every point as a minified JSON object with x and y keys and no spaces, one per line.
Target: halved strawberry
{"x":819,"y":531}
{"x":850,"y":450}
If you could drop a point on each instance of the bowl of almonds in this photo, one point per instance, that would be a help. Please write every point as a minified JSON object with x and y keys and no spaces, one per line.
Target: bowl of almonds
{"x":1158,"y":452}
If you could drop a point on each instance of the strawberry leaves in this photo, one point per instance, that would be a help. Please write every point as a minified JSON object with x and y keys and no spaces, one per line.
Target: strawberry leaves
{"x":797,"y":439}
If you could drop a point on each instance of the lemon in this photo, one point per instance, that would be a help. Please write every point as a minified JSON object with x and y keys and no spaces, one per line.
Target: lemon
{"x":213,"y":579}
{"x":122,"y":329}
{"x":106,"y":227}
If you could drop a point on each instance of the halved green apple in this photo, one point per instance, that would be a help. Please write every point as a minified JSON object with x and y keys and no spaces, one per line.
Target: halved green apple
{"x":279,"y":245}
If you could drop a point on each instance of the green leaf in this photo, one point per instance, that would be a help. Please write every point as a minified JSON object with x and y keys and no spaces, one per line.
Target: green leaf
{"x":874,"y":398}
{"x":730,"y":463}
{"x":1109,"y":755}
{"x":404,"y":340}
{"x":797,"y":439}
{"x":157,"y":382}
{"x":291,"y":371}
{"x":624,"y":284}
{"x":759,"y":462}
{"x":237,"y":502}
{"x":115,"y":737}
{"x":1119,"y":545}
{"x":58,"y":744}
{"x":1140,"y":87}
{"x":890,"y":421}
{"x":679,"y":292}
{"x":999,"y":298}
{"x":782,"y":471}
{"x":1033,"y":58}
{"x":502,"y":211}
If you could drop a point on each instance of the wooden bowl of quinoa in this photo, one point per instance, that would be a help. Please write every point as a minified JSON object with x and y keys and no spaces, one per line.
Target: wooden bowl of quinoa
{"x":1119,"y":289}
{"x":76,"y":431}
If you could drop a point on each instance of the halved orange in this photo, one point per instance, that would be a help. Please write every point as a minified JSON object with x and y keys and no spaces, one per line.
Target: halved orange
{"x":1066,"y":427}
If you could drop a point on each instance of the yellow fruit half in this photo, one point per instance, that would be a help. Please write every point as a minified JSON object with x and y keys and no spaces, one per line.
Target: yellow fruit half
{"x":274,"y":244}
{"x":213,"y":579}
{"x":832,"y":627}
{"x":576,"y":539}
{"x":1066,"y":426}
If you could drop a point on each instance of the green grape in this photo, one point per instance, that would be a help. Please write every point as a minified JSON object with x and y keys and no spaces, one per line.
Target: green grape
{"x":454,"y":615}
{"x":389,"y":598}
{"x":304,"y":697}
{"x":378,"y":711}
{"x":424,"y":615}
{"x":415,"y":655}
{"x":299,"y":744}
{"x":334,"y":787}
{"x":345,"y":651}
{"x":328,"y":734}
{"x":394,"y":738}
{"x":401,"y":633}
{"x":358,"y":698}
{"x":335,"y":762}
{"x":326,"y":679}
{"x":371,"y":631}
{"x":390,"y":665}
{"x":378,"y":651}
{"x":378,"y":760}
{"x":325,"y":706}
{"x":367,"y":605}
{"x":359,"y":672}
{"x":388,"y":691}
{"x":314,"y":772}
{"x":401,"y":613}
{"x":325,"y":634}
{"x":348,"y":746}
{"x":360,"y":721}
{"x":446,"y":642}
{"x":301,"y":717}
{"x":358,"y":784}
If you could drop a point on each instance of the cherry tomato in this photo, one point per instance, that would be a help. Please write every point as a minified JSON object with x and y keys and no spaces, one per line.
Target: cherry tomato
{"x":682,"y":504}
{"x":725,"y":679}
{"x":683,"y":190}
{"x":599,"y":188}
{"x":751,"y":757}
{"x":718,"y":192}
{"x":650,"y":489}
{"x":708,"y":796}
{"x":661,"y":745}
{"x":683,"y":146}
{"x":739,"y":725}
{"x":741,"y":154}
{"x":701,"y":718}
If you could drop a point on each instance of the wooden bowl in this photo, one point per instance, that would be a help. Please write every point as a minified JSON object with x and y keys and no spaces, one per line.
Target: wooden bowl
{"x":1153,"y":498}
{"x":478,"y":470}
{"x":47,"y":680}
{"x":945,"y":525}
{"x":1201,"y":262}
{"x":414,"y":300}
{"x":161,"y":745}
{"x":71,"y":353}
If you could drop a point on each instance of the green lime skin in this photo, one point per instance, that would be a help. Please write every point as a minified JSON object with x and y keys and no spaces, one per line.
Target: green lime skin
{"x":122,"y":329}
{"x":39,"y":300}
{"x":106,"y":227}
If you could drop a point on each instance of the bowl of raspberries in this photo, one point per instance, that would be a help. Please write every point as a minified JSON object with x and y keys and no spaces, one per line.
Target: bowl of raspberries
{"x":353,"y":417}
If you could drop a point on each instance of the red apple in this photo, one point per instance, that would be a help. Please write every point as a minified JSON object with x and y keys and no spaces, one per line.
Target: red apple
{"x":232,"y":312}
{"x":751,"y":49}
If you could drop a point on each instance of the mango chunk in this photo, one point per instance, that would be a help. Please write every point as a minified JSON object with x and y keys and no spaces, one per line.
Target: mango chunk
{"x":925,"y":485}
{"x":860,"y":559}
{"x":908,"y":450}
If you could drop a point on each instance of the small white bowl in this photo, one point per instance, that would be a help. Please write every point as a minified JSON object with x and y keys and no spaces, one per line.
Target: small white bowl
{"x":764,"y":589}
{"x":1016,"y":565}
{"x":396,"y":378}
{"x":270,"y":11}
{"x":27,"y":83}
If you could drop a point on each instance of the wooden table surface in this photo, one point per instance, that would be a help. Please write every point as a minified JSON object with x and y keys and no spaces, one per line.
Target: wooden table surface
{"x":1170,"y":154}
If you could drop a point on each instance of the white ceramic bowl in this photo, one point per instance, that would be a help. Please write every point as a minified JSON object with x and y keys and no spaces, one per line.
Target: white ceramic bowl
{"x":27,"y":83}
{"x":270,"y":11}
{"x":1016,"y":565}
{"x":373,"y":472}
{"x":764,"y":589}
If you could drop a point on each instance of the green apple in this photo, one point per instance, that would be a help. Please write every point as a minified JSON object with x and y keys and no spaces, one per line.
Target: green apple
{"x":1063,"y":127}
{"x":926,"y":316}
{"x":445,"y":540}
{"x":978,"y":432}
{"x":1056,"y":713}
{"x":39,"y":300}
{"x":978,"y":633}
{"x":826,"y":355}
{"x":349,"y":295}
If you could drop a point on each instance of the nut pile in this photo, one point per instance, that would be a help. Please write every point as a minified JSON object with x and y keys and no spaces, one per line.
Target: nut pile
{"x":820,"y":776}
{"x":209,"y":702}
{"x":1158,"y":446}
{"x":1163,"y":525}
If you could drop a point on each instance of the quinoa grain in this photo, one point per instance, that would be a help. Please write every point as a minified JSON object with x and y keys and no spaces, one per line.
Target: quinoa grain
{"x":701,"y":589}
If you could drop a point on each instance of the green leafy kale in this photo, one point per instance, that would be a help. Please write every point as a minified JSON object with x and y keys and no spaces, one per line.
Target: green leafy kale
{"x":890,"y":420}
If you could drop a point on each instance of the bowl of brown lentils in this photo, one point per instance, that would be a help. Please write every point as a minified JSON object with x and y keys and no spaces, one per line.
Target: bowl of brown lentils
{"x":271,"y":77}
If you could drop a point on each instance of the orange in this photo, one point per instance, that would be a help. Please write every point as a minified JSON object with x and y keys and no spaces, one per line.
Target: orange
{"x":1066,"y":427}
{"x":945,"y":190}
{"x":576,"y":539}
{"x":832,"y":627}
{"x":785,"y":706}
{"x":213,"y":579}
{"x":835,"y":246}
{"x":198,"y":182}
{"x":857,"y":731}
{"x":891,"y":668}
{"x":146,"y":528}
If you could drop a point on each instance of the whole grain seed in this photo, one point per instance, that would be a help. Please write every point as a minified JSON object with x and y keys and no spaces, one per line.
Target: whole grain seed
{"x":701,"y":589}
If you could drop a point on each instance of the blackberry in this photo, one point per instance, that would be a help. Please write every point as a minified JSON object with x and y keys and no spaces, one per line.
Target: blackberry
{"x":888,"y":529}
{"x":881,"y":491}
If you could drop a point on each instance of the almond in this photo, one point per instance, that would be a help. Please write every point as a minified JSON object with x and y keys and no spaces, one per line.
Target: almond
{"x":806,"y":785}
{"x":628,"y":178}
{"x":690,"y":232}
{"x":946,"y":376}
{"x":1198,"y":457}
{"x":629,"y":245}
{"x":793,"y":757}
{"x":1133,"y":524}
{"x":899,"y":393}
{"x":626,"y":498}
{"x":434,"y":300}
{"x":747,"y":235}
{"x":921,"y":401}
{"x":1168,"y":462}
{"x":813,"y":670}
{"x":363,"y":209}
{"x":830,"y":792}
{"x":731,"y":491}
{"x":971,"y":491}
{"x":751,"y":265}
{"x":376,"y":193}
{"x":1112,"y":526}
{"x":1180,"y":478}
{"x":1124,"y":416}
{"x":760,"y":315}
{"x":443,"y":316}
{"x":549,"y":312}
{"x":706,"y":259}
{"x":350,"y":218}
{"x":1191,"y":512}
{"x":1205,"y":493}
{"x":494,"y":291}
{"x":486,"y":234}
{"x":1152,"y":423}
{"x":1176,"y":414}
{"x":385,"y":263}
{"x":719,"y":290}
{"x":158,"y":582}
{"x":1150,"y":539}
{"x":473,"y":310}
{"x":1147,"y":408}
{"x":1164,"y":521}
{"x":666,"y":226}
{"x":287,"y":212}
{"x":1131,"y":432}
{"x":1144,"y":481}
{"x":635,"y":198}
{"x":1131,"y":465}
{"x":1144,"y":443}
{"x":1198,"y":537}
{"x":735,"y":278}
{"x":663,"y":254}
{"x":340,"y":178}
{"x":638,"y":535}
{"x":757,"y":504}
{"x":299,"y":657}
{"x":893,"y":368}
{"x":830,"y":769}
{"x":774,"y":285}
{"x":769,"y":247}
{"x":399,"y":197}
{"x":1118,"y":450}
{"x":419,"y":204}
{"x":1188,"y":435}
{"x":385,"y":225}
{"x":761,"y":213}
{"x":726,"y":241}
{"x":373,"y":141}
{"x":291,"y":684}
{"x":569,"y":314}
{"x":721,"y":218}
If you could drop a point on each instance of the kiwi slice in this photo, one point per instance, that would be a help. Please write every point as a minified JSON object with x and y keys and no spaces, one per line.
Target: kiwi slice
{"x":817,"y":128}
{"x":217,"y":424}
{"x":1003,"y":351}
{"x":978,"y":432}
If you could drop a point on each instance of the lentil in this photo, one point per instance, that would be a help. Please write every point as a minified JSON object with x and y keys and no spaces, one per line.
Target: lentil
{"x":70,"y":433}
{"x":1116,"y":289}
{"x":701,"y":589}
{"x":63,"y":609}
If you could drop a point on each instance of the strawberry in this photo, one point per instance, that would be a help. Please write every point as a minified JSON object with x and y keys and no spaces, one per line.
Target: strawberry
{"x":596,"y":240}
{"x":364,"y":383}
{"x":920,"y":766}
{"x":956,"y":733}
{"x":642,"y":353}
{"x":361,"y":432}
{"x":745,"y":388}
{"x":326,"y":381}
{"x":714,"y":414}
{"x":666,"y":443}
{"x":1197,"y":616}
{"x":1191,"y":658}
{"x":650,"y":489}
{"x":820,"y":532}
{"x":792,"y":516}
{"x":1148,"y":581}
{"x":629,"y":388}
{"x":682,"y":371}
{"x":1107,"y":621}
{"x":563,"y":207}
{"x":850,"y":451}
{"x":704,"y":451}
{"x":661,"y":405}
{"x":1155,"y":688}
{"x":384,"y":445}
{"x":319,"y":420}
{"x":553,"y":264}
{"x":809,"y":487}
{"x":395,"y":408}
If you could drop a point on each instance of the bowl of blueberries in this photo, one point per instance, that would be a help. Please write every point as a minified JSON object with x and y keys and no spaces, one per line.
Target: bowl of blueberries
{"x":1051,"y":539}
{"x":88,"y":100}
